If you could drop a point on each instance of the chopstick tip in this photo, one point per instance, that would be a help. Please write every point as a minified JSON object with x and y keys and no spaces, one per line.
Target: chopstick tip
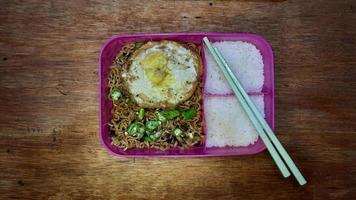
{"x":302,"y":181}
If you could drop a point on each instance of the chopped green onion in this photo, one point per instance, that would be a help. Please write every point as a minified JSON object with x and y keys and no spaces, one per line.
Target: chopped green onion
{"x":152,"y":125}
{"x":177,"y":132}
{"x":141,"y":113}
{"x":115,"y":94}
{"x":189,"y":114}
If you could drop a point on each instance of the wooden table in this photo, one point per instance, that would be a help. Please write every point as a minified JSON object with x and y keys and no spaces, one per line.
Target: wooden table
{"x":49,"y":144}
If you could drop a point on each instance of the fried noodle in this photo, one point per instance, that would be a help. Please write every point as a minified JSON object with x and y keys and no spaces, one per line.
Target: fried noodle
{"x":124,"y":112}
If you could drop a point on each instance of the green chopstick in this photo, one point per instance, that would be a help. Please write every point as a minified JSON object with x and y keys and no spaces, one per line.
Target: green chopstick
{"x":256,"y":118}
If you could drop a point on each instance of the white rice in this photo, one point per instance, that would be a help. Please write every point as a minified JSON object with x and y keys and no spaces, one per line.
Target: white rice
{"x":227,"y":123}
{"x":244,"y":59}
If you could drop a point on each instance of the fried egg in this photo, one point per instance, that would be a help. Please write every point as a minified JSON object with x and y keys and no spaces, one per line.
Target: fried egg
{"x":162,"y":74}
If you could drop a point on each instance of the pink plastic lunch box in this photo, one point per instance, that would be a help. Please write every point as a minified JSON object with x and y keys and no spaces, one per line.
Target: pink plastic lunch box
{"x":113,"y":46}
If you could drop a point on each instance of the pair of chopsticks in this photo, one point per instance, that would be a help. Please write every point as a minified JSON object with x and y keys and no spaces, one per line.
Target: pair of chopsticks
{"x":258,"y":121}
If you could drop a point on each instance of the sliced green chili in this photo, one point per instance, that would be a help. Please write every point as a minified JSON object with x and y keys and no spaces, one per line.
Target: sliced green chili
{"x":140,"y":135}
{"x":160,"y":117}
{"x":136,"y":130}
{"x":152,"y":125}
{"x":155,"y":135}
{"x":115,"y":94}
{"x":189,"y":114}
{"x":172,"y":114}
{"x":167,"y":115}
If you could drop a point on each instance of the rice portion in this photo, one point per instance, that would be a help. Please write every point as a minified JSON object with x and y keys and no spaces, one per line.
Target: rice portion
{"x":245,"y":61}
{"x":227,"y":123}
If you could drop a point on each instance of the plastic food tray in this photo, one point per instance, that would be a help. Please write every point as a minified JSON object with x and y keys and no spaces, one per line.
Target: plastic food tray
{"x":113,"y":46}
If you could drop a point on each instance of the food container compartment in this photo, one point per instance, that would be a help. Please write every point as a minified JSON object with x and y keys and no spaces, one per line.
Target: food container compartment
{"x":113,"y":46}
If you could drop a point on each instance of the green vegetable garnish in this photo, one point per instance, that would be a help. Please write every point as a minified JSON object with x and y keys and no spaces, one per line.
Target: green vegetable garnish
{"x":177,"y":132}
{"x":161,"y":117}
{"x":136,"y":130}
{"x":152,"y":125}
{"x":152,"y":136}
{"x":189,"y":114}
{"x":140,"y":135}
{"x":142,"y":129}
{"x":172,"y":114}
{"x":167,"y":115}
{"x":115,"y":94}
{"x":155,"y":135}
{"x":141,"y":113}
{"x":132,"y":128}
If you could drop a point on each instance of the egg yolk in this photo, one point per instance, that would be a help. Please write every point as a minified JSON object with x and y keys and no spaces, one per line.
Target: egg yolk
{"x":156,"y":69}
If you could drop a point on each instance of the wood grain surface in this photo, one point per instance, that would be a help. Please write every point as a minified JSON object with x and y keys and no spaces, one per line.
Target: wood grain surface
{"x":49,"y":144}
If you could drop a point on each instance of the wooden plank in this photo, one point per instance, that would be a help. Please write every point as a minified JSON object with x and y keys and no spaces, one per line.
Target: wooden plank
{"x":49,"y":146}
